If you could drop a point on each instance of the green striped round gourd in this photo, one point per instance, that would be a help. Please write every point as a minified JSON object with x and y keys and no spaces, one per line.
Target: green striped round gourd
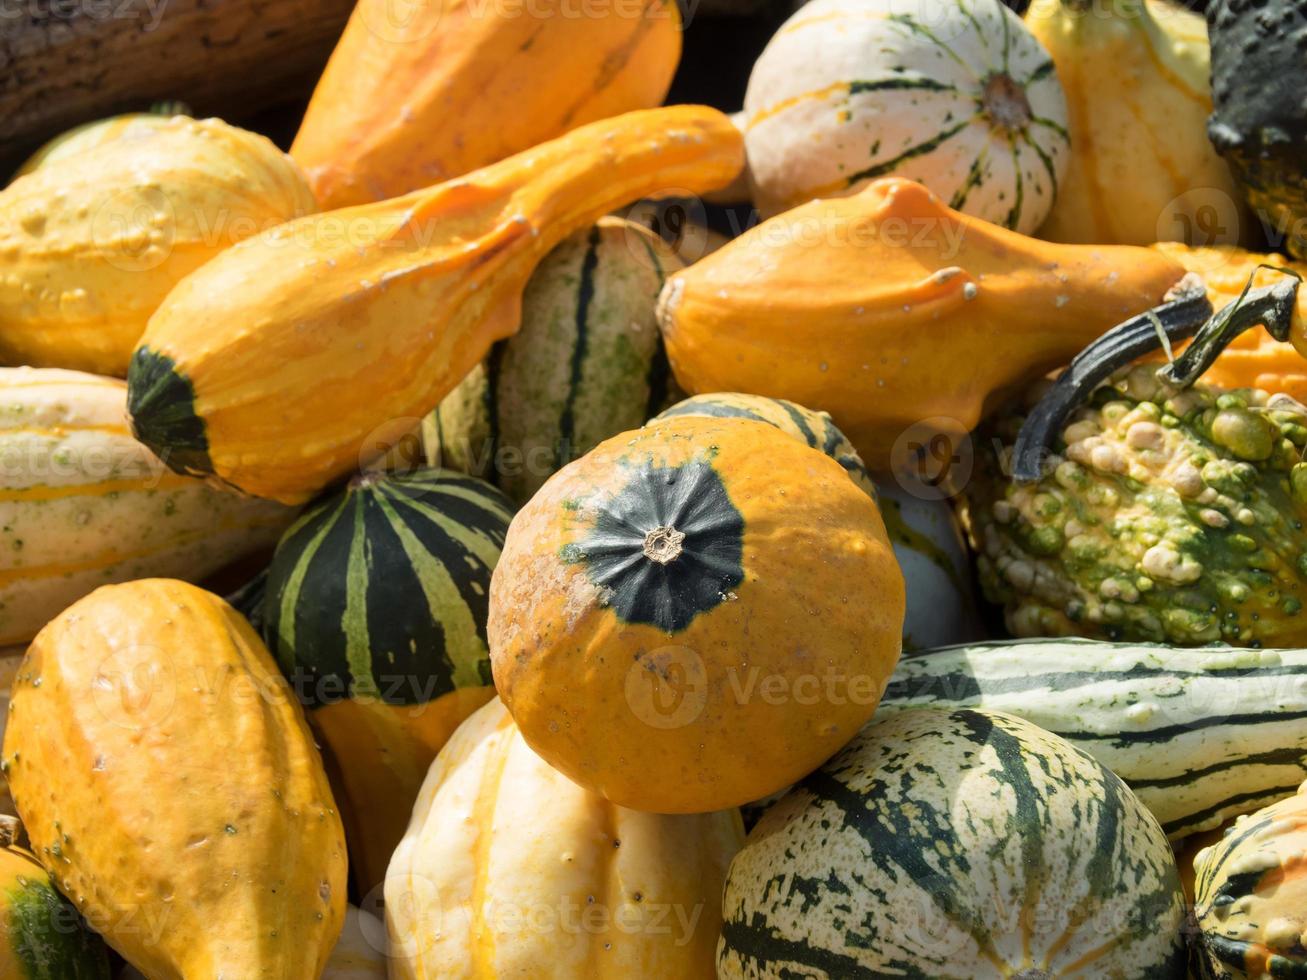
{"x":925,"y":534}
{"x":83,"y":504}
{"x":586,"y":364}
{"x":42,"y":936}
{"x":955,"y":94}
{"x":375,"y":607}
{"x":962,"y":845}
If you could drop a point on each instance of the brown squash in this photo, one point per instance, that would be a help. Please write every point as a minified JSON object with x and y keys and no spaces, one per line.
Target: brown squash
{"x":417,"y":93}
{"x":895,"y":313}
{"x":297,"y":355}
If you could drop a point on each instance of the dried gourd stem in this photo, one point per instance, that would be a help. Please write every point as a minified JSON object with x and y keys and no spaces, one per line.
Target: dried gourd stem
{"x":1271,"y":306}
{"x":1179,"y":318}
{"x":12,"y":833}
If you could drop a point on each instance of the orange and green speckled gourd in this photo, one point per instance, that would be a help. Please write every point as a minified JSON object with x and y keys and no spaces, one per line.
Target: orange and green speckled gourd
{"x":295,"y":356}
{"x":169,"y":783}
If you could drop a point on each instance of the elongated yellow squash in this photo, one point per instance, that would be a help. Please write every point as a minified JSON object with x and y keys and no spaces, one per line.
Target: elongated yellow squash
{"x":424,"y":91}
{"x":297,"y":355}
{"x":1141,"y":168}
{"x":169,"y":783}
{"x":89,"y":248}
{"x":509,"y":869}
{"x":83,"y":504}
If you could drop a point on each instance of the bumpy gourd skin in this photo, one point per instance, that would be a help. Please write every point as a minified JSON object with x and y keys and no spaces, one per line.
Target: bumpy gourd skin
{"x":1250,"y":896}
{"x":295,"y":356}
{"x":418,"y":93}
{"x":1260,"y":123}
{"x":694,"y":614}
{"x":89,"y":246}
{"x":1163,"y":516}
{"x":168,"y":781}
{"x":894,"y":313}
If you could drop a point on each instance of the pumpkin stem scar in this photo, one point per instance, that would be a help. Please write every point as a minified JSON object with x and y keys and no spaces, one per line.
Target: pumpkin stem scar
{"x":663,"y":544}
{"x":1032,"y":975}
{"x":1005,"y":102}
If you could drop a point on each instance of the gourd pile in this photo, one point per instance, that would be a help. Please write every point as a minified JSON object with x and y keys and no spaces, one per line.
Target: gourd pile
{"x":416,"y":561}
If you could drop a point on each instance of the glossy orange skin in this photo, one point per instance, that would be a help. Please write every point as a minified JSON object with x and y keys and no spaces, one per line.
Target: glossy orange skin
{"x":887,"y":309}
{"x":419,"y":92}
{"x":315,"y":347}
{"x":754,"y":692}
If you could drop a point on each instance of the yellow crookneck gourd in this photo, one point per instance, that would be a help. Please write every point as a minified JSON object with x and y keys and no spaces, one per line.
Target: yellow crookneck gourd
{"x":90,"y":245}
{"x":297,"y":355}
{"x":900,"y":317}
{"x":1135,"y":73}
{"x":418,"y":93}
{"x":169,"y":784}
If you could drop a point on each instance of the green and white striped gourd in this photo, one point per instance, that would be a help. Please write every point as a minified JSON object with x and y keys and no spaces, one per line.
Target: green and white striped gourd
{"x":587,"y":363}
{"x":955,"y":845}
{"x":1200,"y":735}
{"x":925,"y":533}
{"x":83,"y":504}
{"x":955,"y":94}
{"x":375,"y":607}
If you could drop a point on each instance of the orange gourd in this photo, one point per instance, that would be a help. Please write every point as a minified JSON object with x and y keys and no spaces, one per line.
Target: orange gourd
{"x":425,"y":90}
{"x":895,"y":313}
{"x":297,"y":355}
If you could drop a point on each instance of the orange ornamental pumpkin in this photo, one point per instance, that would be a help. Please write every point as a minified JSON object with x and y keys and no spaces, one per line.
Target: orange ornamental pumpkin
{"x":421,"y":91}
{"x":694,"y":614}
{"x":889,"y":310}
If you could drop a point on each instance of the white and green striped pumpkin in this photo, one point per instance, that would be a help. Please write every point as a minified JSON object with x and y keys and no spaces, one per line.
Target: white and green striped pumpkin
{"x":925,"y":534}
{"x":955,"y":94}
{"x":586,"y":364}
{"x":955,"y":845}
{"x":375,"y":607}
{"x":1200,"y":736}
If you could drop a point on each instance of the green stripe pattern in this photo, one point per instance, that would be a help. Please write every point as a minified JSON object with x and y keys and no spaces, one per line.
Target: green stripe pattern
{"x":587,"y":363}
{"x":814,"y":428}
{"x":955,"y":845}
{"x":382,"y":589}
{"x":1200,"y":736}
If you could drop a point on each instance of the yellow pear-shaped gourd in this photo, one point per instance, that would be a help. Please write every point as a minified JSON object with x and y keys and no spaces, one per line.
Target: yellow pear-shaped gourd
{"x":89,"y":246}
{"x":1141,"y":169}
{"x":168,"y":781}
{"x":295,"y":356}
{"x":93,"y":135}
{"x":509,"y":869}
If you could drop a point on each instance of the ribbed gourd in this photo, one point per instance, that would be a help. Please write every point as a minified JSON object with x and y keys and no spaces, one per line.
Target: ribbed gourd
{"x":955,"y":845}
{"x":1138,"y":97}
{"x":42,"y":935}
{"x":899,"y":316}
{"x":586,"y":363}
{"x":961,"y":97}
{"x":168,"y":781}
{"x":650,"y":588}
{"x":1250,"y":893}
{"x":93,"y":135}
{"x":1200,"y":736}
{"x":83,"y":504}
{"x":299,"y":354}
{"x":88,"y":251}
{"x":417,"y":96}
{"x":509,"y":869}
{"x":375,"y":608}
{"x":925,"y":535}
{"x":1160,"y":516}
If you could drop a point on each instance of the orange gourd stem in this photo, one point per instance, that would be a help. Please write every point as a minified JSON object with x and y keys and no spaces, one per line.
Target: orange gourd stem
{"x":286,"y":362}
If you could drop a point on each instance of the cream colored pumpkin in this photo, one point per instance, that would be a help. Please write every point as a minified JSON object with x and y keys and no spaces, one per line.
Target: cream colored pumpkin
{"x":956,"y":95}
{"x":509,"y":869}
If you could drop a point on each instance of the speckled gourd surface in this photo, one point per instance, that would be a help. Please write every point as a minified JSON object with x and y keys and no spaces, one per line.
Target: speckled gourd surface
{"x":1162,"y":516}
